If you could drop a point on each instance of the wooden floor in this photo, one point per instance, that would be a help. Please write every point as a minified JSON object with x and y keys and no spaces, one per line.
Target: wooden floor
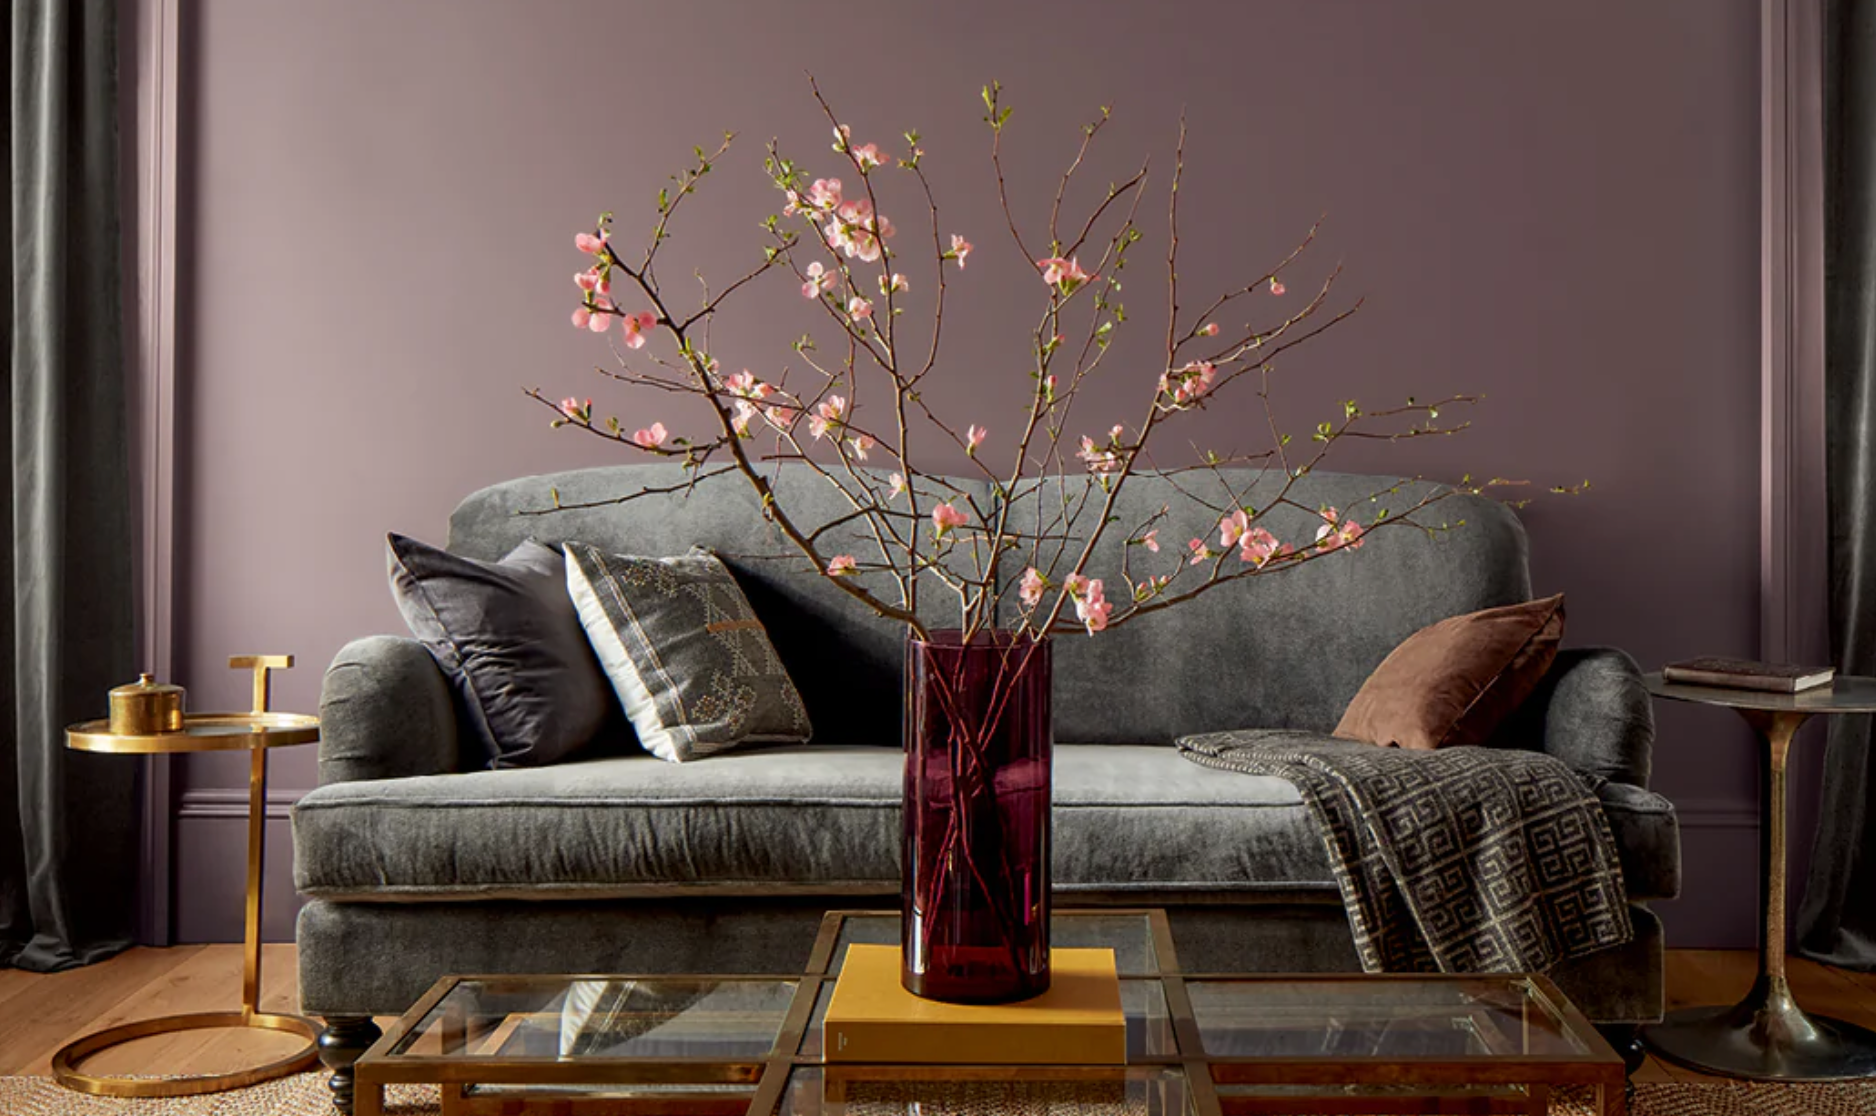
{"x":38,"y":1014}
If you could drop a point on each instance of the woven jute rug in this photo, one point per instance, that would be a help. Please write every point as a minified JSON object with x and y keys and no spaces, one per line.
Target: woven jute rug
{"x":305,"y":1095}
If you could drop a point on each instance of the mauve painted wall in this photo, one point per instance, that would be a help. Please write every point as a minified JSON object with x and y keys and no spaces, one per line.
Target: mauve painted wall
{"x":1555,"y":204}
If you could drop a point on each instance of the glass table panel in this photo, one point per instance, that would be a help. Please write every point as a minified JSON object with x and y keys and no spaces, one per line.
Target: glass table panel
{"x":1149,"y":1024}
{"x":1378,"y":1018}
{"x":925,"y":1090}
{"x":528,"y":1017}
{"x":1130,"y":936}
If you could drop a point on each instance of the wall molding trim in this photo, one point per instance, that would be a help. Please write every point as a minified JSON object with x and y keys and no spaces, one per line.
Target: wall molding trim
{"x":1716,"y":813}
{"x":151,"y":53}
{"x":231,"y":802}
{"x":1792,"y":519}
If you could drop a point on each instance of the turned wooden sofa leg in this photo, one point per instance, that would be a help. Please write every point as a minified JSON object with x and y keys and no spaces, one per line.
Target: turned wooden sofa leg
{"x":1626,"y":1038}
{"x":343,"y":1042}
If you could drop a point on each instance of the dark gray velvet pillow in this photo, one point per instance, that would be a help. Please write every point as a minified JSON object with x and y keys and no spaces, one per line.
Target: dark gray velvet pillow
{"x":508,"y":637}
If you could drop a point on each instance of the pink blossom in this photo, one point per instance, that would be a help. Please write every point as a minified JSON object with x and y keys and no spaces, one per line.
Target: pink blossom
{"x":856,"y":212}
{"x":865,"y":242}
{"x":1190,"y":383}
{"x":794,"y":203}
{"x":819,"y":279}
{"x":974,"y":437}
{"x":899,"y":283}
{"x":577,"y":410}
{"x":739,"y":422}
{"x":859,"y":308}
{"x":1259,"y":546}
{"x":960,"y":248}
{"x":782,"y":416}
{"x":862,"y":445}
{"x":1276,"y":288}
{"x":868,"y":156}
{"x":583,"y":318}
{"x":592,"y":281}
{"x":825,"y":193}
{"x":590,"y":244}
{"x":1048,"y":387}
{"x":1092,"y":607}
{"x":1349,"y":536}
{"x":826,"y":415}
{"x":1103,"y":459}
{"x":1209,"y":329}
{"x":1232,"y":527}
{"x":1031,"y":588}
{"x":842,"y":565}
{"x":635,"y":326}
{"x":1066,"y":274}
{"x":651,"y":437}
{"x":1150,"y":540}
{"x":1337,"y":533}
{"x":1201,"y":553}
{"x":1098,"y":460}
{"x":853,"y":228}
{"x":745,"y":385}
{"x":842,"y":135}
{"x":944,"y":517}
{"x":897,"y":483}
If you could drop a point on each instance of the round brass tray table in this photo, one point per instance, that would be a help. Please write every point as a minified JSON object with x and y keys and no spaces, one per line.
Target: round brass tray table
{"x":255,"y":732}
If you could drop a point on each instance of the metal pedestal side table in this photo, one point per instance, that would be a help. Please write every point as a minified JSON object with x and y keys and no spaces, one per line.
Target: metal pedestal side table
{"x":1767,"y":1036}
{"x":256,"y":731}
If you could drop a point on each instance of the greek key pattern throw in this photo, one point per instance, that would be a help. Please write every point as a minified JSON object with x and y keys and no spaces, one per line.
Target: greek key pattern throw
{"x":690,"y":662}
{"x":1461,"y":860}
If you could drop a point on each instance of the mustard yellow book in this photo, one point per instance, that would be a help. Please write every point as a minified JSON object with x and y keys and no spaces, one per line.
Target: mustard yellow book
{"x":1077,"y":1022}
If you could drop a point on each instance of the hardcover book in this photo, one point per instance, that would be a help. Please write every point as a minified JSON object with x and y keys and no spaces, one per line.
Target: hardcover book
{"x":1743,"y":674}
{"x":1078,"y":1021}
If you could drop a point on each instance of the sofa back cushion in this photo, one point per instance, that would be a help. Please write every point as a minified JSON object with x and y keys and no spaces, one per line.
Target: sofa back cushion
{"x":846,"y":661}
{"x":1284,"y":650}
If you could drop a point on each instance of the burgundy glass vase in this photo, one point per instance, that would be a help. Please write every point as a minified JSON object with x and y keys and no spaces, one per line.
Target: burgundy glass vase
{"x":978,"y":746}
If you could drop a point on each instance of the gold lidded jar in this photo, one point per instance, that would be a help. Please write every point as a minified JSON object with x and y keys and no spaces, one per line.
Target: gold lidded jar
{"x":146,"y":707}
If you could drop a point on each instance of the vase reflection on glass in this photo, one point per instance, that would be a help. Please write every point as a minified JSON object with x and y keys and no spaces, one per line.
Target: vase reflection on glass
{"x":975,"y":882}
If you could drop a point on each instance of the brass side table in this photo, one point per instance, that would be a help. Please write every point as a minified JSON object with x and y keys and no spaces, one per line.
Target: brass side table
{"x":255,"y":731}
{"x":1767,"y":1036}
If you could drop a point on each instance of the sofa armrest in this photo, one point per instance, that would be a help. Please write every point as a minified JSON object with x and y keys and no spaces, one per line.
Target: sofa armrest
{"x":386,"y":711}
{"x":1593,"y":712}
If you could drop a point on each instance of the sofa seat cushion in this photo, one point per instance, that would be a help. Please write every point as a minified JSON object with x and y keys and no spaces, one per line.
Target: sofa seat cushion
{"x":814,"y":820}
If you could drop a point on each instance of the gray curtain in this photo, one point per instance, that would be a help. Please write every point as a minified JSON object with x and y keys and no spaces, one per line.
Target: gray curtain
{"x":1837,"y":922}
{"x":68,"y":821}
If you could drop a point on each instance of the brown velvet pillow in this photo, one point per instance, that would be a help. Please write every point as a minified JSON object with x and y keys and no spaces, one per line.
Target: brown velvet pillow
{"x":1454,"y":682}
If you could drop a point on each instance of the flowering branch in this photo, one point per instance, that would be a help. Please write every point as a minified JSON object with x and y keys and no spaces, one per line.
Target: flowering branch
{"x":833,"y":237}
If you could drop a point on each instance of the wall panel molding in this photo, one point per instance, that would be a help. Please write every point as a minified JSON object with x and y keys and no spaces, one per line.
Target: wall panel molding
{"x":210,"y":842}
{"x":148,"y":50}
{"x":1716,"y":813}
{"x":232,"y":802}
{"x":1792,"y":518}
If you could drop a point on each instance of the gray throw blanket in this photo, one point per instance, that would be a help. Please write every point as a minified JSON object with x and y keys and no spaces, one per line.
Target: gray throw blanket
{"x":1462,"y":860}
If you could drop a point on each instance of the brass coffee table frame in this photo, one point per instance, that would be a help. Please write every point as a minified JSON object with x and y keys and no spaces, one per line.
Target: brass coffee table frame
{"x":1413,"y":1084}
{"x":1767,"y":1036}
{"x":256,"y":731}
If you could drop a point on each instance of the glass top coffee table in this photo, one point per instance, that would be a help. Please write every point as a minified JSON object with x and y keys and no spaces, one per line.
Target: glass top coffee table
{"x":1197,"y":1044}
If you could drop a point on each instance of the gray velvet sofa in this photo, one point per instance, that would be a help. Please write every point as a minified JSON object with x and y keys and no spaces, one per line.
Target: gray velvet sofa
{"x":414,"y":864}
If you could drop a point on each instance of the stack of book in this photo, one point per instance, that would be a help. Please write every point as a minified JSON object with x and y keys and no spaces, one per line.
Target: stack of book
{"x":1078,"y":1021}
{"x":1743,"y":674}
